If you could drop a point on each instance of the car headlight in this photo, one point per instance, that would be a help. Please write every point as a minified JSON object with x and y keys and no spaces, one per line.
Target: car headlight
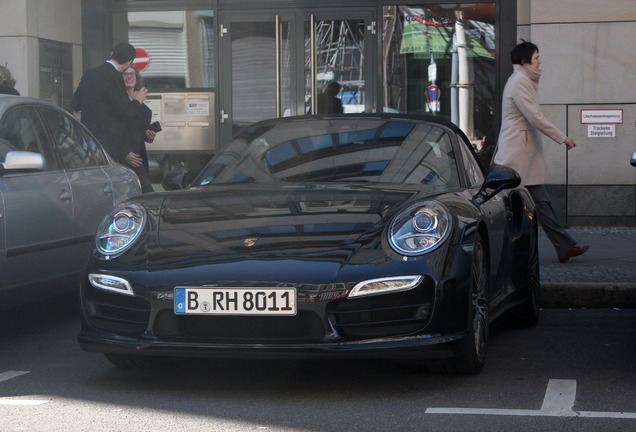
{"x":420,"y":228}
{"x":119,"y":230}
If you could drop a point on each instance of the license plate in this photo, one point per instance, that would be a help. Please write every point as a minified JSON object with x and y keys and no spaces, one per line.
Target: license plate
{"x":235,"y":301}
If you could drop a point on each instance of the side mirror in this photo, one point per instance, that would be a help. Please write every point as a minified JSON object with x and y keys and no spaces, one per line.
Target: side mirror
{"x":176,"y":180}
{"x":498,"y":178}
{"x":22,"y":160}
{"x":633,"y":159}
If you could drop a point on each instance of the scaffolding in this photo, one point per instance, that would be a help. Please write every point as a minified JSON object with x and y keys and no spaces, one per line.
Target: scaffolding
{"x":339,"y":57}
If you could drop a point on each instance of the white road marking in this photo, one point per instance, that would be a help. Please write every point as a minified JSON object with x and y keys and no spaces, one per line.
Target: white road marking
{"x":22,"y":402}
{"x":559,"y":398}
{"x":558,"y":402}
{"x":5,"y":376}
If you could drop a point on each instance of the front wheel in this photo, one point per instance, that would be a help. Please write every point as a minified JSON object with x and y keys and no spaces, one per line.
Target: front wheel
{"x":527,"y":314}
{"x":472,"y":355}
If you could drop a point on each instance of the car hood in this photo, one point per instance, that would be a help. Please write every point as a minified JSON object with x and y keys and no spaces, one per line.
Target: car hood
{"x":278,"y":221}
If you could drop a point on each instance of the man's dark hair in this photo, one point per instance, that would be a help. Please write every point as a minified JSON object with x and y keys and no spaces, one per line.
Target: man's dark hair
{"x":333,"y":88}
{"x":523,"y":52}
{"x":123,"y":52}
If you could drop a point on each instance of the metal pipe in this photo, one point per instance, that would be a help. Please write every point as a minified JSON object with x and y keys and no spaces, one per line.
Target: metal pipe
{"x":465,"y":83}
{"x":314,"y":102}
{"x":278,"y":84}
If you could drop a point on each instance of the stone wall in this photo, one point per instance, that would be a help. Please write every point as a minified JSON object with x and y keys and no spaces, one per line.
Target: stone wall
{"x":23,"y":23}
{"x":588,"y":53}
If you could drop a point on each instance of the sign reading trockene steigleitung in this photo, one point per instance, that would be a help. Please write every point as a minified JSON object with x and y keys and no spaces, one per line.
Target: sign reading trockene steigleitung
{"x":601,"y":131}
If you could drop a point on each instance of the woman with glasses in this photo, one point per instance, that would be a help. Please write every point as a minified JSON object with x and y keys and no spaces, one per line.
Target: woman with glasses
{"x":138,"y":130}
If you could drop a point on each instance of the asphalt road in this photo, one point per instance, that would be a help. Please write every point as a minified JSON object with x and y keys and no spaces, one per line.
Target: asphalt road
{"x":575,"y":371}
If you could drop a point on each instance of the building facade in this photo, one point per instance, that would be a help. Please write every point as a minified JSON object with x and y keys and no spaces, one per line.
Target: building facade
{"x":215,"y":66}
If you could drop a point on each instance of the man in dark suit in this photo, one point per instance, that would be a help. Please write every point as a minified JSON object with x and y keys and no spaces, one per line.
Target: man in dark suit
{"x":105,"y":105}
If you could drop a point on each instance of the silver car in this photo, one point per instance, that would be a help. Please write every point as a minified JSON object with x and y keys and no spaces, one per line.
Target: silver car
{"x":56,"y":185}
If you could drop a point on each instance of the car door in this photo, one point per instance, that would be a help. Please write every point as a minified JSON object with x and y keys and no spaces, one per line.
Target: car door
{"x":38,"y":211}
{"x":83,"y":160}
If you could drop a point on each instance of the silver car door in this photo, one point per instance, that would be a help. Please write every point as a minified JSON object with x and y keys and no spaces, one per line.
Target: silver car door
{"x":38,"y":213}
{"x":83,"y":161}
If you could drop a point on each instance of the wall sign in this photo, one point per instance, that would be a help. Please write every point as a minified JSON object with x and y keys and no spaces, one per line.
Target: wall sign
{"x":601,"y":116}
{"x":601,"y":131}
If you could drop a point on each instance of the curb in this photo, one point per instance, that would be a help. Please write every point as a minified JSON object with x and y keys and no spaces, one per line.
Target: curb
{"x":588,"y":295}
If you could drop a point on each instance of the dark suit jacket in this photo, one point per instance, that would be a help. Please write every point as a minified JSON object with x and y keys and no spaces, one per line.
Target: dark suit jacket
{"x":5,"y":89}
{"x":106,"y":108}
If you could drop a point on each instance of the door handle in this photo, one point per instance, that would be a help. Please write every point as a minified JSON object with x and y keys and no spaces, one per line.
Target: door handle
{"x":108,"y":189}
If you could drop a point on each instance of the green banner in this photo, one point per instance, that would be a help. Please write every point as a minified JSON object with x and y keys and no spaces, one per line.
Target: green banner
{"x":419,"y":38}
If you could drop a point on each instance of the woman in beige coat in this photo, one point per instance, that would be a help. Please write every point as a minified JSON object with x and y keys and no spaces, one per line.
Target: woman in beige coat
{"x":520,"y":145}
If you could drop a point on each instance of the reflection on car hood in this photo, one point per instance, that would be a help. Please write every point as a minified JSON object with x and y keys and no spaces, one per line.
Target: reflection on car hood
{"x":281,"y":221}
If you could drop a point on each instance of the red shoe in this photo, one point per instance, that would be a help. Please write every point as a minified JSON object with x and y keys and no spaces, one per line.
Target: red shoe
{"x":571,"y":253}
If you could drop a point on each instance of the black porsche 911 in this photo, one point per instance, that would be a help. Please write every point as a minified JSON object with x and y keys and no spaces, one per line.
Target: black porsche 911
{"x":352,"y":235}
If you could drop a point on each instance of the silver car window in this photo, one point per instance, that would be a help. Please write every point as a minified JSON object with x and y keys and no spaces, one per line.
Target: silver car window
{"x":22,"y":130}
{"x":76,"y":148}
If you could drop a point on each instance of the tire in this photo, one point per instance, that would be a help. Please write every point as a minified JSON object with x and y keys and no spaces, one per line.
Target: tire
{"x":472,"y":355}
{"x":528,"y":313}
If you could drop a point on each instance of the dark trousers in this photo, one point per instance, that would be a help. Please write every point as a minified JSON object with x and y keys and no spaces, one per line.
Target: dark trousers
{"x":561,"y":240}
{"x":144,"y":179}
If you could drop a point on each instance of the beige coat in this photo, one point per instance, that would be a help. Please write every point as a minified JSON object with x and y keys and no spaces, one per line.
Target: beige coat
{"x":520,"y":146}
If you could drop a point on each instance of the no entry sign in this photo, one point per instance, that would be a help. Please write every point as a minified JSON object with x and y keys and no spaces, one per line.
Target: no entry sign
{"x":142,"y":59}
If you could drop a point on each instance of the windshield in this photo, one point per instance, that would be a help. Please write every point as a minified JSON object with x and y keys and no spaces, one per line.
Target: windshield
{"x":337,"y":150}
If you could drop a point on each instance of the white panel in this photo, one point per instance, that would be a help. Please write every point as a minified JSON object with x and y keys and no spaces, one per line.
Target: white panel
{"x":587,"y":63}
{"x":166,"y":48}
{"x":564,"y":11}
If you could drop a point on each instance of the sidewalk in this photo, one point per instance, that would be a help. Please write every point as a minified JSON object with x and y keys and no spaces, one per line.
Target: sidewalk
{"x":603,"y":277}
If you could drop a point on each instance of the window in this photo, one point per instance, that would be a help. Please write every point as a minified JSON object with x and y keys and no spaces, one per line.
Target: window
{"x":428,"y":70}
{"x":76,"y":148}
{"x":180,"y":46}
{"x":473,"y":171}
{"x":392,"y":152}
{"x":22,"y":130}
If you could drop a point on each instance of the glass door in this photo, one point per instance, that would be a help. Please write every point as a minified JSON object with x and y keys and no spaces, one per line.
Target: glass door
{"x":283,"y":63}
{"x":440,"y":59}
{"x":256,"y":72}
{"x":338,"y":62}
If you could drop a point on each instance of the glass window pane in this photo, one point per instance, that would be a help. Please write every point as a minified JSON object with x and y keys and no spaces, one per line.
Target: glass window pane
{"x":72,"y":145}
{"x":180,"y":46}
{"x":421,"y":153}
{"x":471,"y":167}
{"x":312,"y":144}
{"x":99,"y":157}
{"x":254,"y":72}
{"x":440,"y":60}
{"x":340,"y":62}
{"x":21,"y":130}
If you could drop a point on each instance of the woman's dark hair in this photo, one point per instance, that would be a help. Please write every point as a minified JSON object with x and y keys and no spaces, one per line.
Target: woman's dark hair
{"x":123,"y":52}
{"x":523,"y":52}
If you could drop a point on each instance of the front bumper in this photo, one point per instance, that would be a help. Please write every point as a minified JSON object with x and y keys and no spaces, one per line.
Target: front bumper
{"x":421,"y":347}
{"x":428,"y":321}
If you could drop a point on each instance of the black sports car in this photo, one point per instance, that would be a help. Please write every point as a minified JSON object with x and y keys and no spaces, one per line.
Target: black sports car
{"x":354,"y":235}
